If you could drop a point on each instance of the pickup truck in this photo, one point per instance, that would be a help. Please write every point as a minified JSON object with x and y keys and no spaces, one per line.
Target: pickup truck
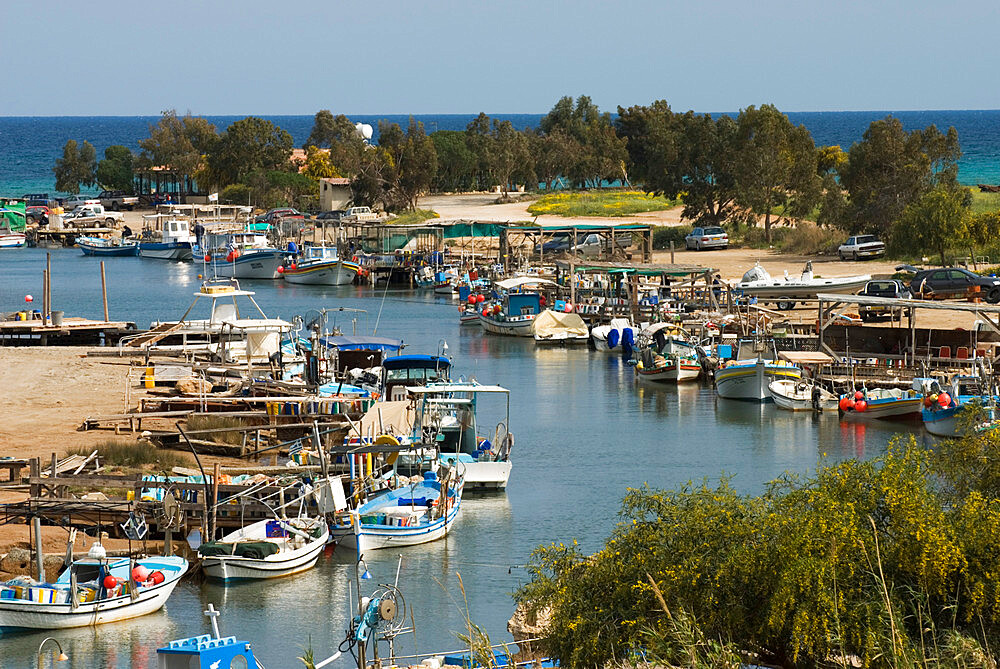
{"x":92,"y":215}
{"x":116,"y":200}
{"x":862,"y":246}
{"x":355,"y":214}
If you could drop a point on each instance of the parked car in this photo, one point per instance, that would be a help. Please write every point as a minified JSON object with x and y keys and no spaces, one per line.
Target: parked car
{"x":37,"y":214}
{"x":37,"y":200}
{"x":706,"y":238}
{"x":334,"y":215}
{"x":954,"y":282}
{"x":357,"y":214}
{"x":862,"y":246}
{"x":71,"y":202}
{"x":116,"y":200}
{"x":93,"y":215}
{"x":275,"y":215}
{"x":890,"y":288}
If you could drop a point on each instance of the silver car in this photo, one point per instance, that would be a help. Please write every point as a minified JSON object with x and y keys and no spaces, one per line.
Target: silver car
{"x":706,"y":238}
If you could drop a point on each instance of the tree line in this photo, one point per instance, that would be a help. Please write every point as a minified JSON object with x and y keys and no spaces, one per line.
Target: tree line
{"x":755,"y":168}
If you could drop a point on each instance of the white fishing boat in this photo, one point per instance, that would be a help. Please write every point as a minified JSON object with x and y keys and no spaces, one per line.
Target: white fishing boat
{"x":166,"y":238}
{"x":666,"y":356}
{"x":242,"y":255}
{"x":416,"y":513}
{"x":93,"y":591}
{"x":266,"y":549}
{"x":320,"y":266}
{"x":882,"y":403}
{"x":512,"y":315}
{"x":785,"y":290}
{"x":747,"y":378}
{"x":10,"y":239}
{"x":801,"y":395}
{"x":608,"y":337}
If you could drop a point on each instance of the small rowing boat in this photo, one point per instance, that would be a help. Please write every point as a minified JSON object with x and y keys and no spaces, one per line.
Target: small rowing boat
{"x":266,"y":549}
{"x":801,"y":395}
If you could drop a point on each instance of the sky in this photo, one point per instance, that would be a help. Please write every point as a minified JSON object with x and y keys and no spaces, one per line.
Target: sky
{"x":122,"y":58}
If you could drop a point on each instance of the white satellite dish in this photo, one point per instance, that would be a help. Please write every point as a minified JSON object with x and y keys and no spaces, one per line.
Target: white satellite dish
{"x":365,"y":130}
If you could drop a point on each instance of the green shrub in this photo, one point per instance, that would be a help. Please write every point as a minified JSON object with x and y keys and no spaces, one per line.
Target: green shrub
{"x":233,"y":438}
{"x":119,"y":453}
{"x":664,"y":234}
{"x":235,"y":194}
{"x":414,"y":216}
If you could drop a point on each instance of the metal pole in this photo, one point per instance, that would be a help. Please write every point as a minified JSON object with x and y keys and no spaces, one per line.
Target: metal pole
{"x":104,"y":292}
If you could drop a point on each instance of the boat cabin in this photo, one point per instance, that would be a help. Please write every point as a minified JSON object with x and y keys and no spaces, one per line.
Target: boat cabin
{"x":403,"y":371}
{"x":446,"y":418}
{"x":166,"y":229}
{"x":205,"y":652}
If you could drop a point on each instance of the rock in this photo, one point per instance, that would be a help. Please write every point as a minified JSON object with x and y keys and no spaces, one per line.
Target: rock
{"x":524,"y":626}
{"x":16,"y":561}
{"x":193,"y":386}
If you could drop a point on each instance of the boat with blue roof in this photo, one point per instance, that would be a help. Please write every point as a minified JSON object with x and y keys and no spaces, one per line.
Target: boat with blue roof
{"x":513,"y":313}
{"x":747,"y":374}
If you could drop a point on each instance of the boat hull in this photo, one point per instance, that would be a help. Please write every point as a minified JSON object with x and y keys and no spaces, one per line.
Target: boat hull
{"x":520,"y":328}
{"x":749,"y":382}
{"x":246,"y":569}
{"x":778,"y":290}
{"x":375,"y":537}
{"x":487,"y":476}
{"x":125,"y":250}
{"x":177,"y":251}
{"x":785,"y":397}
{"x":673,"y":372}
{"x":905,"y":407}
{"x":250,"y":265}
{"x":324,"y":273}
{"x":13,"y":240}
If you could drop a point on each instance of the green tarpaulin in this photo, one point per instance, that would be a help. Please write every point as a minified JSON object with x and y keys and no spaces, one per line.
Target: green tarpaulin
{"x":13,"y":215}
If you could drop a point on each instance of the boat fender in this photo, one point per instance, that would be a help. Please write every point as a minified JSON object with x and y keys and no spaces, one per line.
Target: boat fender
{"x":613,"y":338}
{"x":628,"y":337}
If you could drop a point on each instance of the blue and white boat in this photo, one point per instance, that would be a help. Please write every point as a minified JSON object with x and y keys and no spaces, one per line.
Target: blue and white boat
{"x":514,"y":313}
{"x":320,"y":266}
{"x":93,"y":591}
{"x":166,"y":239}
{"x":746,"y":377}
{"x":412,"y":514}
{"x":242,"y":255}
{"x":98,"y":246}
{"x":948,"y":420}
{"x":207,"y":651}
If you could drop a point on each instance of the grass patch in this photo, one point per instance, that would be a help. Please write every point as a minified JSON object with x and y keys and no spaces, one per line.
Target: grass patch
{"x":119,"y":453}
{"x":600,"y":203}
{"x":414,"y":216}
{"x":804,"y":239}
{"x":984,"y":202}
{"x":196,"y":423}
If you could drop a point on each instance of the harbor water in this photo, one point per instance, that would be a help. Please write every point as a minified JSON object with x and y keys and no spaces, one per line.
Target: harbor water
{"x":585,"y":432}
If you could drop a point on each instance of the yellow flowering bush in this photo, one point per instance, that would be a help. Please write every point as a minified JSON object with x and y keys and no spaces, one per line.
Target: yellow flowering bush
{"x":599,"y":203}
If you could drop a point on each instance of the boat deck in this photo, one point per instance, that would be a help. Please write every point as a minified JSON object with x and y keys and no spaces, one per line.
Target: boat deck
{"x":71,"y":332}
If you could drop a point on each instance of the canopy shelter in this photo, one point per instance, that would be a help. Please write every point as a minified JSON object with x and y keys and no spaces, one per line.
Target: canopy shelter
{"x":929,"y":348}
{"x":602,"y":242}
{"x":519,"y":281}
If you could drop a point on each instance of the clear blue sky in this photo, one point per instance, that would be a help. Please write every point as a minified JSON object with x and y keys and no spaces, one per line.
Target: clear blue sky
{"x":117,"y":57}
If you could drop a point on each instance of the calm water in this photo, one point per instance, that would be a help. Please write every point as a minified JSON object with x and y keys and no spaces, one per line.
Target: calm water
{"x":30,"y":145}
{"x":585,"y":431}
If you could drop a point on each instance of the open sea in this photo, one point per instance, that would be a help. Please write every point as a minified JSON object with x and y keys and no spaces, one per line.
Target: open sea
{"x":29,"y":146}
{"x":585,"y":432}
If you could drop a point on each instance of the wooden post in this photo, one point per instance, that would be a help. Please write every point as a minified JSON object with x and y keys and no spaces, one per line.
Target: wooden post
{"x":104,"y":292}
{"x":45,"y":297}
{"x":671,"y":252}
{"x":36,"y":524}
{"x":48,"y":283}
{"x":572,"y":282}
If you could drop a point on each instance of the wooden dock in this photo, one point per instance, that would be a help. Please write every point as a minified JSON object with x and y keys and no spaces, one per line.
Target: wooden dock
{"x":71,"y":332}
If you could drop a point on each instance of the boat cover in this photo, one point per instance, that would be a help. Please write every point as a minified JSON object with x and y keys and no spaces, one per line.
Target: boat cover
{"x":554,"y":325}
{"x":395,"y":418}
{"x":363,"y":343}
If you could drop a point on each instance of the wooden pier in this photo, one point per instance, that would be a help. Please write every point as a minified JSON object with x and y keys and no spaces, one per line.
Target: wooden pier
{"x":70,"y":332}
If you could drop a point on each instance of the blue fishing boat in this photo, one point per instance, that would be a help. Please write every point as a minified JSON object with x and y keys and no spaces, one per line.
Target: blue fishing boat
{"x":514,"y":313}
{"x":945,"y":414}
{"x":755,"y":366}
{"x":98,"y":246}
{"x":412,"y":514}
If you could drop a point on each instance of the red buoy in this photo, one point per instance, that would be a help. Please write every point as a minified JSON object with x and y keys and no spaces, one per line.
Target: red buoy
{"x":111,"y":582}
{"x":858,"y":395}
{"x":480,"y":299}
{"x":846,"y":403}
{"x":944,"y":400}
{"x":473,"y":299}
{"x":208,"y":257}
{"x":860,"y":406}
{"x":281,"y":269}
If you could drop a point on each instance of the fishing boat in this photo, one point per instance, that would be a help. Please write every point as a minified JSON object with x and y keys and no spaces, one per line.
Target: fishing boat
{"x":557,"y":326}
{"x":400,"y":372}
{"x":946,"y":414}
{"x":207,"y":651}
{"x":320,"y":266}
{"x":746,"y":377}
{"x":242,"y":255}
{"x":881,"y":403}
{"x":166,"y":239}
{"x":266,"y":549}
{"x":756,"y":282}
{"x":667,"y":359}
{"x":607,"y":337}
{"x":9,"y":239}
{"x":94,"y":590}
{"x":116,"y":246}
{"x":447,"y":412}
{"x":512,"y":315}
{"x":416,"y":513}
{"x":801,"y":395}
{"x":12,"y":225}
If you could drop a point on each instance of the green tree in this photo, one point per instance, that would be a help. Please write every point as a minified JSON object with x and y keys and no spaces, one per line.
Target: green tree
{"x":481,"y":142}
{"x":179,"y":143}
{"x":687,"y":156}
{"x":776,"y":167}
{"x":511,"y":155}
{"x":939,"y":219}
{"x":554,"y":154}
{"x":115,"y":171}
{"x":418,"y":164}
{"x":600,"y":152}
{"x":78,"y":166}
{"x":889,"y":169}
{"x":249,"y":145}
{"x":318,"y":164}
{"x":456,"y":162}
